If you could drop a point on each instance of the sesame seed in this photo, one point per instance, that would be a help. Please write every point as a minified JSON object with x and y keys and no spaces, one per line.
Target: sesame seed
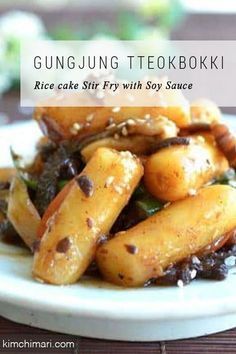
{"x":116,"y":136}
{"x":193,"y":273}
{"x":141,"y":121}
{"x":77,"y":126}
{"x":131,"y":121}
{"x":90,"y":117}
{"x":192,"y":192}
{"x":195,"y":260}
{"x":126,"y":155}
{"x":201,"y":139}
{"x":116,"y":109}
{"x":111,"y":126}
{"x":73,"y":131}
{"x":124,"y":131}
{"x":180,"y":283}
{"x":110,"y":121}
{"x":109,"y":181}
{"x":118,"y":189}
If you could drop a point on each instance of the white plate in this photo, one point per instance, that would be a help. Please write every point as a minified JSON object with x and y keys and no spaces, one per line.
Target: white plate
{"x":101,"y":311}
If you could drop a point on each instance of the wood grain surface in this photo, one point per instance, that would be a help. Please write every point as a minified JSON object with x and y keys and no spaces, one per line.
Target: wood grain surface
{"x":218,"y":343}
{"x":194,"y":27}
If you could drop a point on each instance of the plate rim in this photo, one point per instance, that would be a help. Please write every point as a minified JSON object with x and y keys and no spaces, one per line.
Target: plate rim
{"x":195,"y":308}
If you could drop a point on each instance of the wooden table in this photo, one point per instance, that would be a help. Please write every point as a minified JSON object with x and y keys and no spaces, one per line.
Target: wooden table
{"x":219,"y":343}
{"x":194,"y":27}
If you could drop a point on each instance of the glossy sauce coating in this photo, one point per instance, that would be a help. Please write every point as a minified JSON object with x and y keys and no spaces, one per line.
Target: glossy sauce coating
{"x":88,"y":210}
{"x":178,"y":171}
{"x":171,"y":235}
